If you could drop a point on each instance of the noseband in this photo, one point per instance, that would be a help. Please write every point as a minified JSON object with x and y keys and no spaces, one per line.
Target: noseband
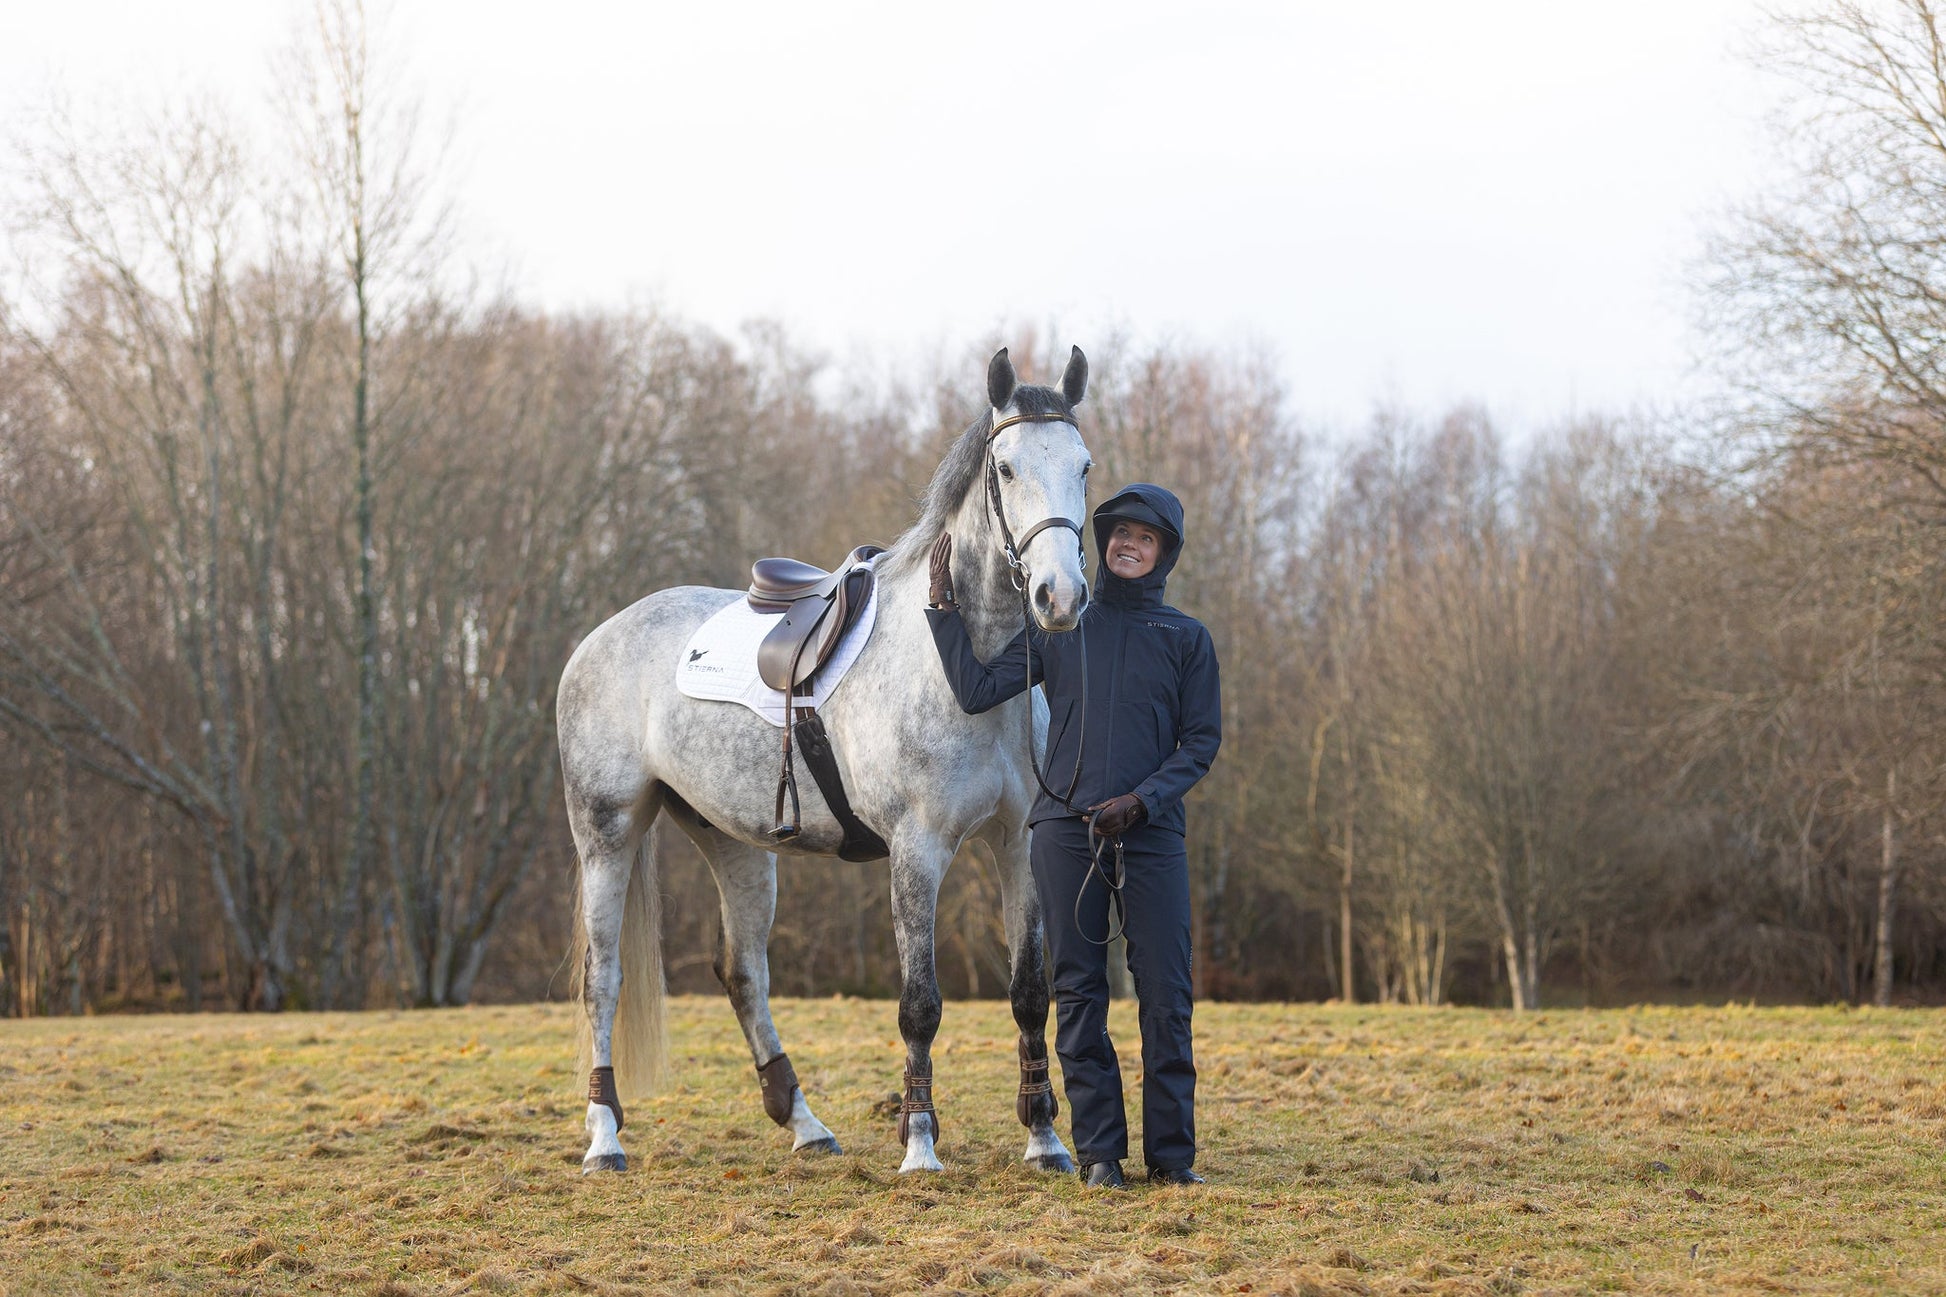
{"x":1010,"y":546}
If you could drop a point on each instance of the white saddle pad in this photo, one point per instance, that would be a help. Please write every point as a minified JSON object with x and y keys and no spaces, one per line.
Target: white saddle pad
{"x":720,"y":661}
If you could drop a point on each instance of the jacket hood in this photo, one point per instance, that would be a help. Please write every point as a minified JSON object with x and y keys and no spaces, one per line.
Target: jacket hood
{"x":1155,"y":507}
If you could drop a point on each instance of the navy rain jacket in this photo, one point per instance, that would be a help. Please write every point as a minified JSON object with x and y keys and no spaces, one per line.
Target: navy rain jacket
{"x":1154,"y":709}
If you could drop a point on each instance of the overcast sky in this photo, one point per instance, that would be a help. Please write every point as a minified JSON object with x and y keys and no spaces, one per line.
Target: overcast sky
{"x":1410,"y":202}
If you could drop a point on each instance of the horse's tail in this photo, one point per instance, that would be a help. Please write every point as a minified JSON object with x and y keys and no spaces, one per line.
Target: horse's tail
{"x":639,"y":1047}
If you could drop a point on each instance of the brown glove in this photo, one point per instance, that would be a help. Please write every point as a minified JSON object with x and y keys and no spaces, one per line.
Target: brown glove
{"x":1118,"y":815}
{"x":940,"y":593}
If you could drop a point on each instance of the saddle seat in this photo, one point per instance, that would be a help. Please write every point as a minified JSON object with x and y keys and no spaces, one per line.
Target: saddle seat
{"x":777,"y":583}
{"x":819,"y":606}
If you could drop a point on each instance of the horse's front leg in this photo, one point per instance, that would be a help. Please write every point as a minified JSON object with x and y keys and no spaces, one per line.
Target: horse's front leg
{"x":1035,"y":1104}
{"x":917,"y":869}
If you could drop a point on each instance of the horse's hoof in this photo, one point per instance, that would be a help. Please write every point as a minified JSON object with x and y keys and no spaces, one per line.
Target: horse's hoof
{"x":604,"y":1162}
{"x":1060,"y":1162}
{"x":829,"y":1144}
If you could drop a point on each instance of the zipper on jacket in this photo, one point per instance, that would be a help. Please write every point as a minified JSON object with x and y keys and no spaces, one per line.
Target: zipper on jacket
{"x":1114,"y":696}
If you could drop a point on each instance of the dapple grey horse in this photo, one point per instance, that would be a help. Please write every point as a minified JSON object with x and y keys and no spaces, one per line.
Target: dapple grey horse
{"x":918,"y":770}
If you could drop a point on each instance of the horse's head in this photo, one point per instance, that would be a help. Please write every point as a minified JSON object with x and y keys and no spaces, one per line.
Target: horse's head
{"x":1037,"y":487}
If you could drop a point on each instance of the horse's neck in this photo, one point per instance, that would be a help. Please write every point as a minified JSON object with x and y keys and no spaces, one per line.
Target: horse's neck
{"x":988,"y":601}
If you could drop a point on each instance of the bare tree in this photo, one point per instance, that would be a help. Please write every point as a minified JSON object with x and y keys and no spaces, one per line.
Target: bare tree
{"x":1827,"y":296}
{"x":366,"y":162}
{"x":158,"y":380}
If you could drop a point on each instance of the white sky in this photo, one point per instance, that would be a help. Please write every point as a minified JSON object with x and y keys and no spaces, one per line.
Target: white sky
{"x":1410,"y":202}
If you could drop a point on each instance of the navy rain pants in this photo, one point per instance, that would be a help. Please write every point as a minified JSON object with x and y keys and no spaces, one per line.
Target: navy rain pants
{"x":1157,"y":897}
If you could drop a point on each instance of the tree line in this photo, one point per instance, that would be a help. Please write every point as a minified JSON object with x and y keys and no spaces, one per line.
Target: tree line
{"x":297,"y":529}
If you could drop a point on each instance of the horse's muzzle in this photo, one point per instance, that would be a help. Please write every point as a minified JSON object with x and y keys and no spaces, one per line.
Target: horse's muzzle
{"x":1058,"y":611}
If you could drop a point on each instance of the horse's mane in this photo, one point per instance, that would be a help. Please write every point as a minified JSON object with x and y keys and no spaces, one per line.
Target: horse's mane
{"x":959,"y":472}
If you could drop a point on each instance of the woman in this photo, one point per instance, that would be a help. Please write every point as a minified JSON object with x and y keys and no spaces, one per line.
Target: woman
{"x":1152,"y":719}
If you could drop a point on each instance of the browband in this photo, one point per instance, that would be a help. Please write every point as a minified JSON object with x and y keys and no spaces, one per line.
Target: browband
{"x":1049,"y":417}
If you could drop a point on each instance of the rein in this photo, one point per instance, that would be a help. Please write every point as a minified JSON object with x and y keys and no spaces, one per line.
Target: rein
{"x":1117,"y":903}
{"x":1012,"y":548}
{"x":1018,"y":574}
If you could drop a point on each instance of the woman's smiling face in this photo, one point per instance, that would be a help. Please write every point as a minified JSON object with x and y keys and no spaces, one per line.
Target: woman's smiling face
{"x":1133,"y":549}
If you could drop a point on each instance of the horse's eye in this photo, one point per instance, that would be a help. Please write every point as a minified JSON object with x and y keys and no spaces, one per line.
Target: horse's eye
{"x":1007,"y":471}
{"x":1087,"y":468}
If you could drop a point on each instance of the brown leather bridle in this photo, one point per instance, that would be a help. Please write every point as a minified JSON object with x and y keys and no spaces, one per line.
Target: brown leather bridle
{"x":1009,"y":546}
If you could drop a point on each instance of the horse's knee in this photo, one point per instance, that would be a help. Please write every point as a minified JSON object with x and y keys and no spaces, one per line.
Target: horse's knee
{"x":742,"y":990}
{"x":1029,"y":994}
{"x":919,"y":1012}
{"x":739,"y":983}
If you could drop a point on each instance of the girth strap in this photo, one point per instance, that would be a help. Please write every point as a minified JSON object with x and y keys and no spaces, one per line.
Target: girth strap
{"x":860,"y":842}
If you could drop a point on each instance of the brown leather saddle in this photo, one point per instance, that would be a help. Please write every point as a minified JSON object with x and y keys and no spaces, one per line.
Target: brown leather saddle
{"x":818,"y":607}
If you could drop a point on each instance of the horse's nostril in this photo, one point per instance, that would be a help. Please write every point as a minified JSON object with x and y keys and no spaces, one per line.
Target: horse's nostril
{"x":1043,"y":601}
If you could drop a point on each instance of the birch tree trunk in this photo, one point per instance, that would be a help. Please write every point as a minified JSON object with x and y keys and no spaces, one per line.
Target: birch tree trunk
{"x":1888,"y":888}
{"x":1346,"y":947}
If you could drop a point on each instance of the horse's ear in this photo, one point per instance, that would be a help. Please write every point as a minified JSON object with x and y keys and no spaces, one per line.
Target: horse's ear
{"x":1000,"y":380}
{"x":1074,"y":383}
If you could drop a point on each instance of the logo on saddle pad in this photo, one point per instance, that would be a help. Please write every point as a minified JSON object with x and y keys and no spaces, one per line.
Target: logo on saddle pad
{"x":691,"y":666}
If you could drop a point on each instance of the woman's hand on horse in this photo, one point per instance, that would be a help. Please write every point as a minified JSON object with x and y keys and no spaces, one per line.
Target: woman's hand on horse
{"x":1118,"y":815}
{"x":940,"y":595}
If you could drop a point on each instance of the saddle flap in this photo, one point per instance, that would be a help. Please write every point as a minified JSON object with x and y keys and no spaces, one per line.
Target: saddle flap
{"x":786,"y":658}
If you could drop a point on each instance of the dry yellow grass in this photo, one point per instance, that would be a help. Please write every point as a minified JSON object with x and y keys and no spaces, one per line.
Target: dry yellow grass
{"x":1350,"y":1151}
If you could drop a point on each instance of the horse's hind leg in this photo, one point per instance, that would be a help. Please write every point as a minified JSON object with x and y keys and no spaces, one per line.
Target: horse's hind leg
{"x":608,"y":837}
{"x":1035,"y":1104}
{"x":746,"y":879}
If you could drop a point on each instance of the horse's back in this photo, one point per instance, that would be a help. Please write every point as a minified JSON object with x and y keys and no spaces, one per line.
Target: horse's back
{"x":610,"y":684}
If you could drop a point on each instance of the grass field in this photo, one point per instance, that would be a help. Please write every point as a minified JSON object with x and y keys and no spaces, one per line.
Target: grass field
{"x":1350,"y":1150}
